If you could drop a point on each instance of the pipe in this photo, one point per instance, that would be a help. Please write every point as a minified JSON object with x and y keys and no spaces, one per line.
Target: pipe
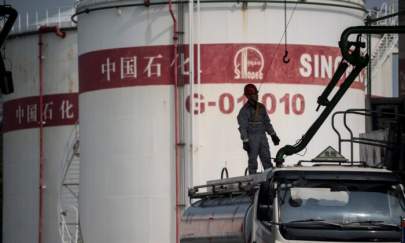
{"x":176,"y":121}
{"x":52,"y":29}
{"x":323,"y":98}
{"x":191,"y":83}
{"x":10,"y":15}
{"x":61,"y":34}
{"x":306,"y":138}
{"x":198,"y":84}
{"x":345,"y":44}
{"x":8,"y":25}
{"x":35,"y":32}
{"x":359,"y":62}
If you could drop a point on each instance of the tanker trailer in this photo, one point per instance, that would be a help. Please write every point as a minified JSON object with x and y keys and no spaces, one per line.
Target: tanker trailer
{"x":325,"y":202}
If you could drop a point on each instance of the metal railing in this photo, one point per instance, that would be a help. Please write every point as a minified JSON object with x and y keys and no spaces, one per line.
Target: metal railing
{"x":67,"y":234}
{"x":359,"y":140}
{"x":31,"y":21}
{"x":388,"y":42}
{"x":68,"y":191}
{"x":385,"y":47}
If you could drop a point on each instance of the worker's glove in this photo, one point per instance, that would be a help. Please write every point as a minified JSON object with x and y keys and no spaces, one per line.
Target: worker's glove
{"x":246,"y":146}
{"x":275,"y":139}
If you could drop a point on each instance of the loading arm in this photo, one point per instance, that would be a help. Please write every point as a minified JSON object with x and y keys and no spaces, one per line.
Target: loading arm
{"x":351,"y":54}
{"x":5,"y":76}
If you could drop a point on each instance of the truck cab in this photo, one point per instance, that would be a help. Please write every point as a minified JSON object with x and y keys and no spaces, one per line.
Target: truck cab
{"x":316,"y":203}
{"x":329,"y":203}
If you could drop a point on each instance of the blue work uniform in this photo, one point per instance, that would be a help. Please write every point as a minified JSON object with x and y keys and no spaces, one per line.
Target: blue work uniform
{"x":254,"y":122}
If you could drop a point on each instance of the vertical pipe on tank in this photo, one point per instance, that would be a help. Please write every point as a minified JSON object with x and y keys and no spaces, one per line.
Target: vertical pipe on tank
{"x":196,"y":125}
{"x":191,"y":88}
{"x":41,"y":138}
{"x":61,"y":34}
{"x":181,"y":97}
{"x":176,"y":120}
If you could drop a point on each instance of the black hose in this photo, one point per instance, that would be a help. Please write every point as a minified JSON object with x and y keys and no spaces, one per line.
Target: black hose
{"x":12,"y":16}
{"x":345,"y":44}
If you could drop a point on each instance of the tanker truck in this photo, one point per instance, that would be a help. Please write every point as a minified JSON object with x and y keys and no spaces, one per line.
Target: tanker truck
{"x":327,"y":201}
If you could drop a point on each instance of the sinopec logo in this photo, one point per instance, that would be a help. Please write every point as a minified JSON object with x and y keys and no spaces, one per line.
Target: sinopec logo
{"x":248,"y":64}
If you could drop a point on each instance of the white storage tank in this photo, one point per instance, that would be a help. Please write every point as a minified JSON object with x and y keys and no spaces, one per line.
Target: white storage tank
{"x":127,"y":105}
{"x":33,"y":156}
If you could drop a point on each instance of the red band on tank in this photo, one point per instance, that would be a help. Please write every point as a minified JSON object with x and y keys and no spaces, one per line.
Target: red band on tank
{"x":59,"y":109}
{"x":220,"y":63}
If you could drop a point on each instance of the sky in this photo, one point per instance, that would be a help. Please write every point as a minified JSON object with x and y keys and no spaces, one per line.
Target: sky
{"x":372,"y":3}
{"x":32,"y":5}
{"x":375,"y":3}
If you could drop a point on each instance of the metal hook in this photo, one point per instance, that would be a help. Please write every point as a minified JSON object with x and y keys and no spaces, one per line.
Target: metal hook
{"x":285,"y":57}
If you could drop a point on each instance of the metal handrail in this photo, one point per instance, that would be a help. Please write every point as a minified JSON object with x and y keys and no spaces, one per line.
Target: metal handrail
{"x":352,"y":140}
{"x":218,"y":188}
{"x":329,"y":162}
{"x":32,"y":20}
{"x":336,"y":131}
{"x":351,"y":135}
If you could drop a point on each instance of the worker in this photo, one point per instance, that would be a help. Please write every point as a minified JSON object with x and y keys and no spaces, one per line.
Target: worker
{"x":254,"y":122}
